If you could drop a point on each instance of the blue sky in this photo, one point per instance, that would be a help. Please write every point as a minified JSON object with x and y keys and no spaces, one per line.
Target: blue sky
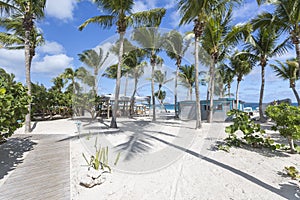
{"x":64,"y":42}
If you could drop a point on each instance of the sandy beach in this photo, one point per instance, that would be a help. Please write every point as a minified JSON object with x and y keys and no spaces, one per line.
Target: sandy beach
{"x":169,"y":159}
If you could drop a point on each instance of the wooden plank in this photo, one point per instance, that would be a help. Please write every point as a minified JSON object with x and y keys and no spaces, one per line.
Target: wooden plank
{"x":43,"y":174}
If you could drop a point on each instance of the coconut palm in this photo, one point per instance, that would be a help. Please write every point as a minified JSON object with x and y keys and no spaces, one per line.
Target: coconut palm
{"x":199,"y":12}
{"x":218,"y":37}
{"x":187,"y":78}
{"x":288,"y":71}
{"x":135,"y":64}
{"x":152,"y":42}
{"x":28,"y":11}
{"x":160,"y":78}
{"x":262,"y":46}
{"x":176,"y":47}
{"x":286,"y":17}
{"x":94,"y":60}
{"x":242,"y":65}
{"x":120,"y":13}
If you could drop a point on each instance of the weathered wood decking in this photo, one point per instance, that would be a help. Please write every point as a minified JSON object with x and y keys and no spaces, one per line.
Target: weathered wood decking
{"x":44,"y":173}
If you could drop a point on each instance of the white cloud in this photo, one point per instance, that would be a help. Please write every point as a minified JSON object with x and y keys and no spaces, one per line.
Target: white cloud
{"x":12,"y":61}
{"x":61,"y":9}
{"x":51,"y":48}
{"x":52,"y":64}
{"x":143,"y":5}
{"x":249,"y":10}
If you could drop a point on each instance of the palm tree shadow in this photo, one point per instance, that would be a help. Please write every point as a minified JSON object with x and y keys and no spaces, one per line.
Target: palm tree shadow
{"x":137,"y":143}
{"x":287,"y":191}
{"x":12,"y":152}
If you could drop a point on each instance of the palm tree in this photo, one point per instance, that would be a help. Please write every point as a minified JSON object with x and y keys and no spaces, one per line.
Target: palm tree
{"x":218,"y":37}
{"x":242,"y":65}
{"x":176,"y":47}
{"x":288,"y":71}
{"x":28,"y":11}
{"x":135,"y":64}
{"x":120,"y":13}
{"x":152,"y":42}
{"x":286,"y":17}
{"x":199,"y":12}
{"x":187,"y":78}
{"x":262,"y":46}
{"x":94,"y":60}
{"x":160,"y":78}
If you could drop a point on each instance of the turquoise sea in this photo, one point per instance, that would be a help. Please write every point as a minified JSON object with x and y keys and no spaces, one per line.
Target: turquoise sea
{"x":170,"y":107}
{"x":255,"y":105}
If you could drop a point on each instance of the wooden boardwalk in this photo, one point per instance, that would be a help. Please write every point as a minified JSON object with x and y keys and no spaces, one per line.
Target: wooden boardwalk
{"x":44,"y":173}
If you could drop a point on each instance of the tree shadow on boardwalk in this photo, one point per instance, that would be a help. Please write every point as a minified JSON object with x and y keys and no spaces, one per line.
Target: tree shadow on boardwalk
{"x":12,"y":152}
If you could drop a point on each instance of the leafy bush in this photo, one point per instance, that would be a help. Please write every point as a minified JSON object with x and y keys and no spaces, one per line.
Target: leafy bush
{"x":252,"y":133}
{"x":13,"y":104}
{"x":292,"y":172}
{"x":287,"y":119}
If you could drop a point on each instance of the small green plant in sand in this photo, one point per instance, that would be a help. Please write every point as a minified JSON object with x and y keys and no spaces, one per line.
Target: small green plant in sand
{"x":100,"y":159}
{"x":287,"y":119}
{"x":292,"y":172}
{"x":252,"y":134}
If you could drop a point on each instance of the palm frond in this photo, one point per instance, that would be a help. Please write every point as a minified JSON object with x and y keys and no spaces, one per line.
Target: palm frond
{"x":105,"y":21}
{"x":150,"y":18}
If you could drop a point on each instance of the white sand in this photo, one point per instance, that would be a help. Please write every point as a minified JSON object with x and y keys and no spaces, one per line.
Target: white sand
{"x":171,"y":160}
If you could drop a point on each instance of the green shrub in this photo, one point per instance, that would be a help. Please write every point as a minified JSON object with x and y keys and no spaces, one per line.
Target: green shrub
{"x":13,"y":104}
{"x":287,"y":119}
{"x":252,"y":132}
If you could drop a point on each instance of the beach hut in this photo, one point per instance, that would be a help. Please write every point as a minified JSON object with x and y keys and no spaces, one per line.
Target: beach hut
{"x":187,"y":109}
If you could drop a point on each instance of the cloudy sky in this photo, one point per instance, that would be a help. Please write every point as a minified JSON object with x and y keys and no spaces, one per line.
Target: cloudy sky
{"x":64,"y":42}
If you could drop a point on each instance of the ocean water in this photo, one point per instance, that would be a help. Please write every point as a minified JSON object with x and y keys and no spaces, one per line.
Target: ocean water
{"x":170,"y":107}
{"x":255,"y":105}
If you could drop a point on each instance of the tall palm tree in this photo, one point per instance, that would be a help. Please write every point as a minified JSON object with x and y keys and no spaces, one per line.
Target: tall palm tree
{"x":218,"y":37}
{"x":242,"y":65}
{"x":286,"y":17}
{"x":199,"y":12}
{"x":175,"y":47}
{"x":135,"y":64}
{"x":288,"y":71}
{"x":152,"y":42}
{"x":262,"y":46}
{"x":94,"y":60}
{"x":120,"y":13}
{"x":160,"y":78}
{"x":28,"y":11}
{"x":187,"y":78}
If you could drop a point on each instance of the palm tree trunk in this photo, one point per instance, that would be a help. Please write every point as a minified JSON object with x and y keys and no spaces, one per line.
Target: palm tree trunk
{"x":27,"y":71}
{"x":175,"y":92}
{"x":126,"y":84}
{"x":197,"y":92}
{"x":211,"y":92}
{"x":191,"y":93}
{"x":296,"y":95}
{"x":297,"y":47}
{"x":237,"y":94}
{"x":113,"y":123}
{"x":152,"y":88}
{"x":229,"y":92}
{"x":132,"y":97}
{"x":261,"y":95}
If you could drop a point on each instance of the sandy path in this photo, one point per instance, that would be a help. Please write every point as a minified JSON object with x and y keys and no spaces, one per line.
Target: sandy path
{"x":198,"y":173}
